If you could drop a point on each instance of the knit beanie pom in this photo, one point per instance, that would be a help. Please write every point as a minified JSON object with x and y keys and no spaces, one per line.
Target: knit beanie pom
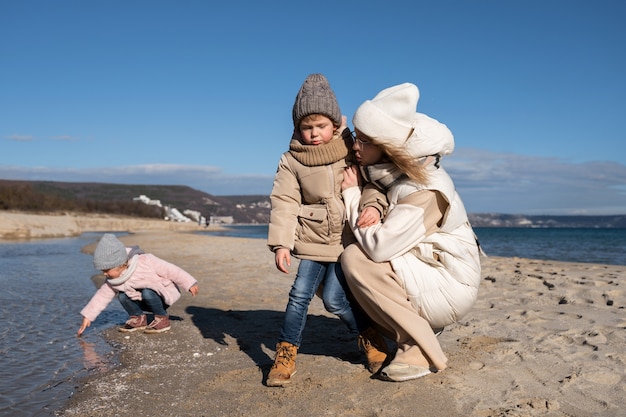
{"x":316,"y":97}
{"x":109,"y":253}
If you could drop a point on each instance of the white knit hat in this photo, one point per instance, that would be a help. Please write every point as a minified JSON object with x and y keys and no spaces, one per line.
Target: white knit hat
{"x":390,"y":118}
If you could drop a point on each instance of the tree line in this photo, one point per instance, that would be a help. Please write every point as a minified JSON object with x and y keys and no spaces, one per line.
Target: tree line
{"x":22,"y":197}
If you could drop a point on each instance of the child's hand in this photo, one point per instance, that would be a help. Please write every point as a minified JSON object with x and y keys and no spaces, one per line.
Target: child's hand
{"x":350,"y":178}
{"x":368,"y":217}
{"x":282,"y":258}
{"x":86,"y":323}
{"x":194,"y":290}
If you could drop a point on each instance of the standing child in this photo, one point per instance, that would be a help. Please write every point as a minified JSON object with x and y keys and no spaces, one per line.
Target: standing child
{"x":141,"y":282}
{"x":308,"y":221}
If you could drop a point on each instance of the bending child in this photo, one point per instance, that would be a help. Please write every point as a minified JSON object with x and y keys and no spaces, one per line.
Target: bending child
{"x":141,"y":282}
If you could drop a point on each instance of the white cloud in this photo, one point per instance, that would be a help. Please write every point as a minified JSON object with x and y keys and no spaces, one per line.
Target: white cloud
{"x":20,"y":138}
{"x":65,"y":138}
{"x":509,"y":183}
{"x":487,"y":182}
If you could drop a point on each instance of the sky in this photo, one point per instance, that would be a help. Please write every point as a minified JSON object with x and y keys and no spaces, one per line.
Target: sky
{"x":200,"y":94}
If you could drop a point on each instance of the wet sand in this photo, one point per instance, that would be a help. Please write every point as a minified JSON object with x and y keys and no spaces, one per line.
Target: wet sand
{"x":545,"y":338}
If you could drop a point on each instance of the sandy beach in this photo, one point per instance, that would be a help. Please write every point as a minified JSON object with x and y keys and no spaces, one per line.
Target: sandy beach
{"x":545,"y":338}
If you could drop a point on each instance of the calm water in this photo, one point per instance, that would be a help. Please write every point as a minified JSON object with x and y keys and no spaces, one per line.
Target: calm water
{"x":606,"y":246}
{"x":45,"y":283}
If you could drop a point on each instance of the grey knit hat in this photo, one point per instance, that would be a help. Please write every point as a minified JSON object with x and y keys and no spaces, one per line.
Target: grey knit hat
{"x":316,"y":97}
{"x":109,"y":253}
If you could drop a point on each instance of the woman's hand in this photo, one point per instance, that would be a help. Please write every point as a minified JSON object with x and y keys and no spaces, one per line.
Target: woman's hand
{"x":350,"y":178}
{"x":344,"y":124}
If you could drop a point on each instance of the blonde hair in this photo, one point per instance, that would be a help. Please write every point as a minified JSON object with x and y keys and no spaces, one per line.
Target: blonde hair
{"x":408,"y":164}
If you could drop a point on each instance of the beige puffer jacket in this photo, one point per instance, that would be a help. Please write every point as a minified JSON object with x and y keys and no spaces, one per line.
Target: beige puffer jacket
{"x":308,"y":214}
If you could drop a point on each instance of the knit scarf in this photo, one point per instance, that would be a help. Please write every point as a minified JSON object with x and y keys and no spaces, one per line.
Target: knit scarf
{"x":383,"y":176}
{"x":128,"y":272}
{"x":329,"y":153}
{"x":132,"y":265}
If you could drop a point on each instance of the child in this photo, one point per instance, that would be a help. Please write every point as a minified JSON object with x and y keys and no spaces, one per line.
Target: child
{"x":142,"y":282}
{"x":308,"y":220}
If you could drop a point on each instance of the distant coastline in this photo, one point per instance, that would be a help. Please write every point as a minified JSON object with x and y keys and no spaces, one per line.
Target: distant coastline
{"x":26,"y":225}
{"x":23,"y":225}
{"x":547,"y":221}
{"x":252,"y":209}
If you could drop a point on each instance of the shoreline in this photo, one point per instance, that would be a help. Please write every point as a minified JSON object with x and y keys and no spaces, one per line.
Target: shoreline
{"x":22,"y":225}
{"x":544,"y":338}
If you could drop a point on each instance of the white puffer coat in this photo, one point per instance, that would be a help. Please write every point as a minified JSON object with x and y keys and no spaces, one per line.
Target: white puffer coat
{"x":441,"y":270}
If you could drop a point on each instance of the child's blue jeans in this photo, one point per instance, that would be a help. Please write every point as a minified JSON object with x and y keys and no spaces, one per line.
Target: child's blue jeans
{"x":151,"y":302}
{"x":309,"y":277}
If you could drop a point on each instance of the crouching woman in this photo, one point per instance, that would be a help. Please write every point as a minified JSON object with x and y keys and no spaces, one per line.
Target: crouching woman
{"x":418,"y":270}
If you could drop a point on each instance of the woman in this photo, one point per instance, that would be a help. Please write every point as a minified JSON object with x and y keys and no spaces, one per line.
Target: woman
{"x":420,"y":269}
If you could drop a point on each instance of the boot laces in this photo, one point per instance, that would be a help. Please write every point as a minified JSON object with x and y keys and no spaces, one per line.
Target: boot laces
{"x":367,"y":343}
{"x":284,"y":356}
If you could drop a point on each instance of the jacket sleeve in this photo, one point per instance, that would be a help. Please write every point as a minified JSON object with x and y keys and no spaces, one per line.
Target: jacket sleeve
{"x":171,"y":272}
{"x":286,"y":200}
{"x":100,"y":300}
{"x":373,"y":197}
{"x":406,"y":224}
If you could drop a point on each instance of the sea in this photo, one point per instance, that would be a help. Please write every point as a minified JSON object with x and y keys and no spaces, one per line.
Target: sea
{"x":46,"y":282}
{"x":591,"y":245}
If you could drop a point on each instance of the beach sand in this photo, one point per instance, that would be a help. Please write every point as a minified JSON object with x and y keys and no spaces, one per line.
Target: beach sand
{"x":545,"y":338}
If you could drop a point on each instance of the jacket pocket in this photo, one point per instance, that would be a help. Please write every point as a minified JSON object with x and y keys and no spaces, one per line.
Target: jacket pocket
{"x":313,"y":213}
{"x":313,"y":224}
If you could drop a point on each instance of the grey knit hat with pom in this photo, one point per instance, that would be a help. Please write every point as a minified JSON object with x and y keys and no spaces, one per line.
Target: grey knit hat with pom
{"x":109,"y":253}
{"x":316,"y":97}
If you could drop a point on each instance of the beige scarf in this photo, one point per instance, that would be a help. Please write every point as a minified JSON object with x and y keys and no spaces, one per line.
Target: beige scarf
{"x":331,"y":152}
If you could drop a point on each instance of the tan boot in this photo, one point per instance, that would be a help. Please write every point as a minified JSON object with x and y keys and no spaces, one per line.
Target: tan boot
{"x":284,"y":365}
{"x":375,"y":348}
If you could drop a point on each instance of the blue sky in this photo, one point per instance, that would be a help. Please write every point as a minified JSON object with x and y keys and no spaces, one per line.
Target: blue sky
{"x":200,"y":94}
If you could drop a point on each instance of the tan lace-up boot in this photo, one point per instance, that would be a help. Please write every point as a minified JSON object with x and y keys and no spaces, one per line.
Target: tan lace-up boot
{"x":375,"y":348}
{"x":284,"y":365}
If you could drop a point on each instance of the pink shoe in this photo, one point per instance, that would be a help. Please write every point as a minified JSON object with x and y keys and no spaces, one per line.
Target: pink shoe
{"x":159,"y":324}
{"x":134,"y":323}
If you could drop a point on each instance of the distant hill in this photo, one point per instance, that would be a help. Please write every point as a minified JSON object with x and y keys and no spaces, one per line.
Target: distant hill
{"x":255,"y":209}
{"x":243,"y":209}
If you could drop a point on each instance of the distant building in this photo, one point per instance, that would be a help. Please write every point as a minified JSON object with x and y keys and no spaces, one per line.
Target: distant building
{"x":193,"y":215}
{"x":175,"y":215}
{"x":221,"y":220}
{"x":144,"y":199}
